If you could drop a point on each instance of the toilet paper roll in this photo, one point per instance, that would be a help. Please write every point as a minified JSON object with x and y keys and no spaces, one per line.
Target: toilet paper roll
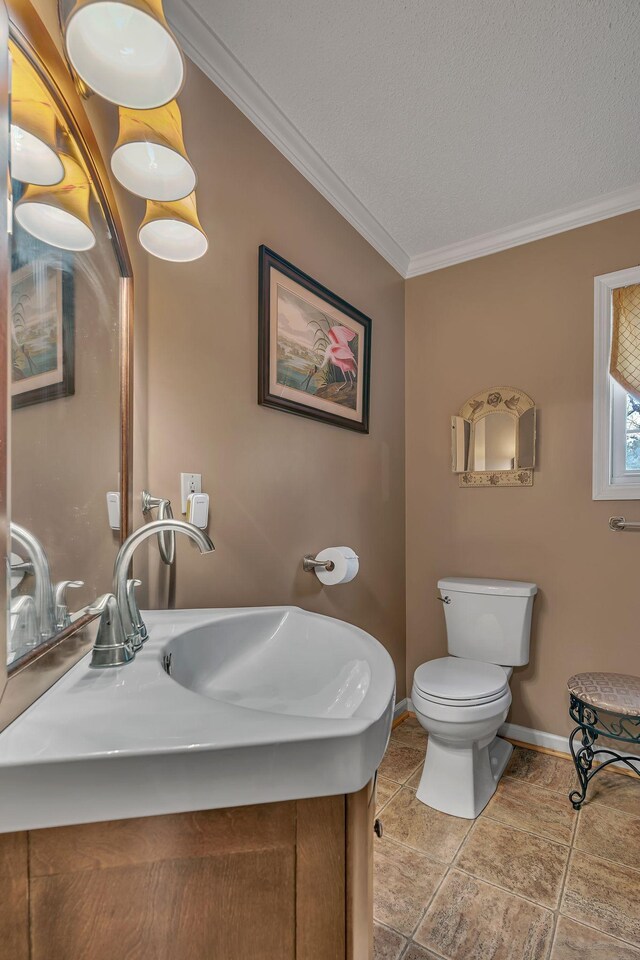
{"x":345,"y":565}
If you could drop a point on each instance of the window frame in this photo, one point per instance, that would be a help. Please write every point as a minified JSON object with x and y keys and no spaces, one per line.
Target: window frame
{"x":609,"y":419}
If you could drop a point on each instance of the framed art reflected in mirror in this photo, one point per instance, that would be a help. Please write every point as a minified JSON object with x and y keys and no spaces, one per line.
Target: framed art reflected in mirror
{"x":42,"y":320}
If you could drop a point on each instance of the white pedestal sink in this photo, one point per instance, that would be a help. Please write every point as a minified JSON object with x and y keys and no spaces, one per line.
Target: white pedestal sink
{"x":221,"y":708}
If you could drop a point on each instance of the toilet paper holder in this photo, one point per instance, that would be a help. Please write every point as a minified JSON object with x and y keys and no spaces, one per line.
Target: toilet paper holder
{"x":310,"y":564}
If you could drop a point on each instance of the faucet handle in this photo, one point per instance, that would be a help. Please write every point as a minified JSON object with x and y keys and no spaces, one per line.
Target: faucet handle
{"x":140,"y":630}
{"x":111,"y":647}
{"x":63,"y":617}
{"x":99,"y":605}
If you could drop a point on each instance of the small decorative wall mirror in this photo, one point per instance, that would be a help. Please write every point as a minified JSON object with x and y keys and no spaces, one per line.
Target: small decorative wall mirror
{"x":494,"y":439}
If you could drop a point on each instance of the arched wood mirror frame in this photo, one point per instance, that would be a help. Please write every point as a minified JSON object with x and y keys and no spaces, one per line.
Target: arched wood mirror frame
{"x":21,"y":23}
{"x":518,"y":445}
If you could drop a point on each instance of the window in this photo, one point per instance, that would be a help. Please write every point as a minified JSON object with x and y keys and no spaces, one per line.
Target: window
{"x":616,"y":413}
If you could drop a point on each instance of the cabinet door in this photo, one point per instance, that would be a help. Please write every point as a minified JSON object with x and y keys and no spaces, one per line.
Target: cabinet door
{"x":360,"y":818}
{"x":183,"y":887}
{"x":14,"y":896}
{"x":320,"y":879}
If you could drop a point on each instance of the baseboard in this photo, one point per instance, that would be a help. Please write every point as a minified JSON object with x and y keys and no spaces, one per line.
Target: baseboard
{"x":550,"y":741}
{"x":535,"y":738}
{"x":400,"y":708}
{"x":538,"y":739}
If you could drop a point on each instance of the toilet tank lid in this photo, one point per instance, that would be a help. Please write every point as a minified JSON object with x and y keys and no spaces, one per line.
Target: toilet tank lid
{"x":497,"y":588}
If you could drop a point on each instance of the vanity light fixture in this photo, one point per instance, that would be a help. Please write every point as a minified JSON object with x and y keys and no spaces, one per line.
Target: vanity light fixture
{"x":150,"y":158}
{"x":34,"y":157}
{"x":59,"y":214}
{"x":172,"y":231}
{"x":124,"y":50}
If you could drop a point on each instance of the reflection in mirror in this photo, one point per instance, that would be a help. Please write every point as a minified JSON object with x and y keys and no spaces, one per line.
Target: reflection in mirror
{"x":65,"y":373}
{"x":493,"y":439}
{"x":494,"y":443}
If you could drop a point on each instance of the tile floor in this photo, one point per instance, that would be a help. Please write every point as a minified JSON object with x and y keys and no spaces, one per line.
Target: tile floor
{"x":530,"y":879}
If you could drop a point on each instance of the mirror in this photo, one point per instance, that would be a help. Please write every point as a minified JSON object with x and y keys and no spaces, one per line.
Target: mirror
{"x":494,"y":443}
{"x":493,"y":439}
{"x":69,"y":292}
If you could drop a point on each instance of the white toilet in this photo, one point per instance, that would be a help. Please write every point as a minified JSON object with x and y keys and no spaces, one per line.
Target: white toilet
{"x":463,"y":699}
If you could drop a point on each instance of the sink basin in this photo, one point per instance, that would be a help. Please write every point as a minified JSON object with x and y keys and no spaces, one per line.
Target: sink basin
{"x":279,"y":661}
{"x":220,"y":708}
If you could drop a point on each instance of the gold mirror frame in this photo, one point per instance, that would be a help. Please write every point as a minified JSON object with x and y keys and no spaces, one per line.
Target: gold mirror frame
{"x":46,"y":664}
{"x":517,"y":404}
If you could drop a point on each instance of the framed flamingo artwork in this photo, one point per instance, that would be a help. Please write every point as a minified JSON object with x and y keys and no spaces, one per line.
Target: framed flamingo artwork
{"x":314,"y":348}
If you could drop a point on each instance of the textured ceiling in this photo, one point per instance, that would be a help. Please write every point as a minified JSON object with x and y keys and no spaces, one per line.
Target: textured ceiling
{"x":455,"y":118}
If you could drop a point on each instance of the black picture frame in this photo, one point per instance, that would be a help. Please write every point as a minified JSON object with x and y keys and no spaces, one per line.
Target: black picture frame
{"x":270,"y":394}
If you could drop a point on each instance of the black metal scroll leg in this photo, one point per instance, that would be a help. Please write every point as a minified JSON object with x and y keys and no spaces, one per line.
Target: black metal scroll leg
{"x":583,"y":760}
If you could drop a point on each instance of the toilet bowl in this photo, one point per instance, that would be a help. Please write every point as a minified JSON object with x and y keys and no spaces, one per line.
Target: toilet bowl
{"x":463,"y":699}
{"x":465,"y":759}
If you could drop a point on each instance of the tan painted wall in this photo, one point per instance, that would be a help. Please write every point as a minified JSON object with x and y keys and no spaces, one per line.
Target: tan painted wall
{"x":280,"y":486}
{"x":523,"y":317}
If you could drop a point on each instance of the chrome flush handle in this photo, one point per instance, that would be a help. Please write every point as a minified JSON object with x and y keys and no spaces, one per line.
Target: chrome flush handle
{"x":444,"y":599}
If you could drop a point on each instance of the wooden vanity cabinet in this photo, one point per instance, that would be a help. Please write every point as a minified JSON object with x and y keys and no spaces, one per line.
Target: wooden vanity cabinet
{"x":279,"y":881}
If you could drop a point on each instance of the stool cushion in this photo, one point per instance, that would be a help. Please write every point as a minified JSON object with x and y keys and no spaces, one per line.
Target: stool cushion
{"x":616,"y":692}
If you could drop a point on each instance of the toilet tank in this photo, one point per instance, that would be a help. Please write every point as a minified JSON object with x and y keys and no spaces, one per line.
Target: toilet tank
{"x":488,"y":620}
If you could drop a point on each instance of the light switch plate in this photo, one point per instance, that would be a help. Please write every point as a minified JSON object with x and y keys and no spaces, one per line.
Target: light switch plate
{"x":189,"y":483}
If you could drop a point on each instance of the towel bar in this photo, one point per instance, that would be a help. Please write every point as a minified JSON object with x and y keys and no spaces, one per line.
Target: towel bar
{"x":619,"y":523}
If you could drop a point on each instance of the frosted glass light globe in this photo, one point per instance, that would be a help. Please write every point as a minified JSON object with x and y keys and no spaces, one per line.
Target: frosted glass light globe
{"x":124,"y":53}
{"x":32,"y":160}
{"x":173,"y":240}
{"x":55,"y":226}
{"x":153,"y":171}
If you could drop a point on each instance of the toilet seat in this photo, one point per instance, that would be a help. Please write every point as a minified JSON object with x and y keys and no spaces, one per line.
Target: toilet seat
{"x":458,"y":682}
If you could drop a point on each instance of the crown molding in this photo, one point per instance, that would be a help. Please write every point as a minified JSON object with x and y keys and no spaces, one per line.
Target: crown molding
{"x":208,"y":52}
{"x":569,"y":218}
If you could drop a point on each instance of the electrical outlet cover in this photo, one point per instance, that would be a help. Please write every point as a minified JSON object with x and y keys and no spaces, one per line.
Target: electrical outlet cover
{"x":189,"y":483}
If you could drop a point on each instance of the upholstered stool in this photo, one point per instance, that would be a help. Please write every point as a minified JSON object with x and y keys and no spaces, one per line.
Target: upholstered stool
{"x":607,"y":705}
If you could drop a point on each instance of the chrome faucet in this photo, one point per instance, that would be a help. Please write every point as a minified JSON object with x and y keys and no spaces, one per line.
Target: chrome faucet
{"x":133,"y":624}
{"x":43,"y":591}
